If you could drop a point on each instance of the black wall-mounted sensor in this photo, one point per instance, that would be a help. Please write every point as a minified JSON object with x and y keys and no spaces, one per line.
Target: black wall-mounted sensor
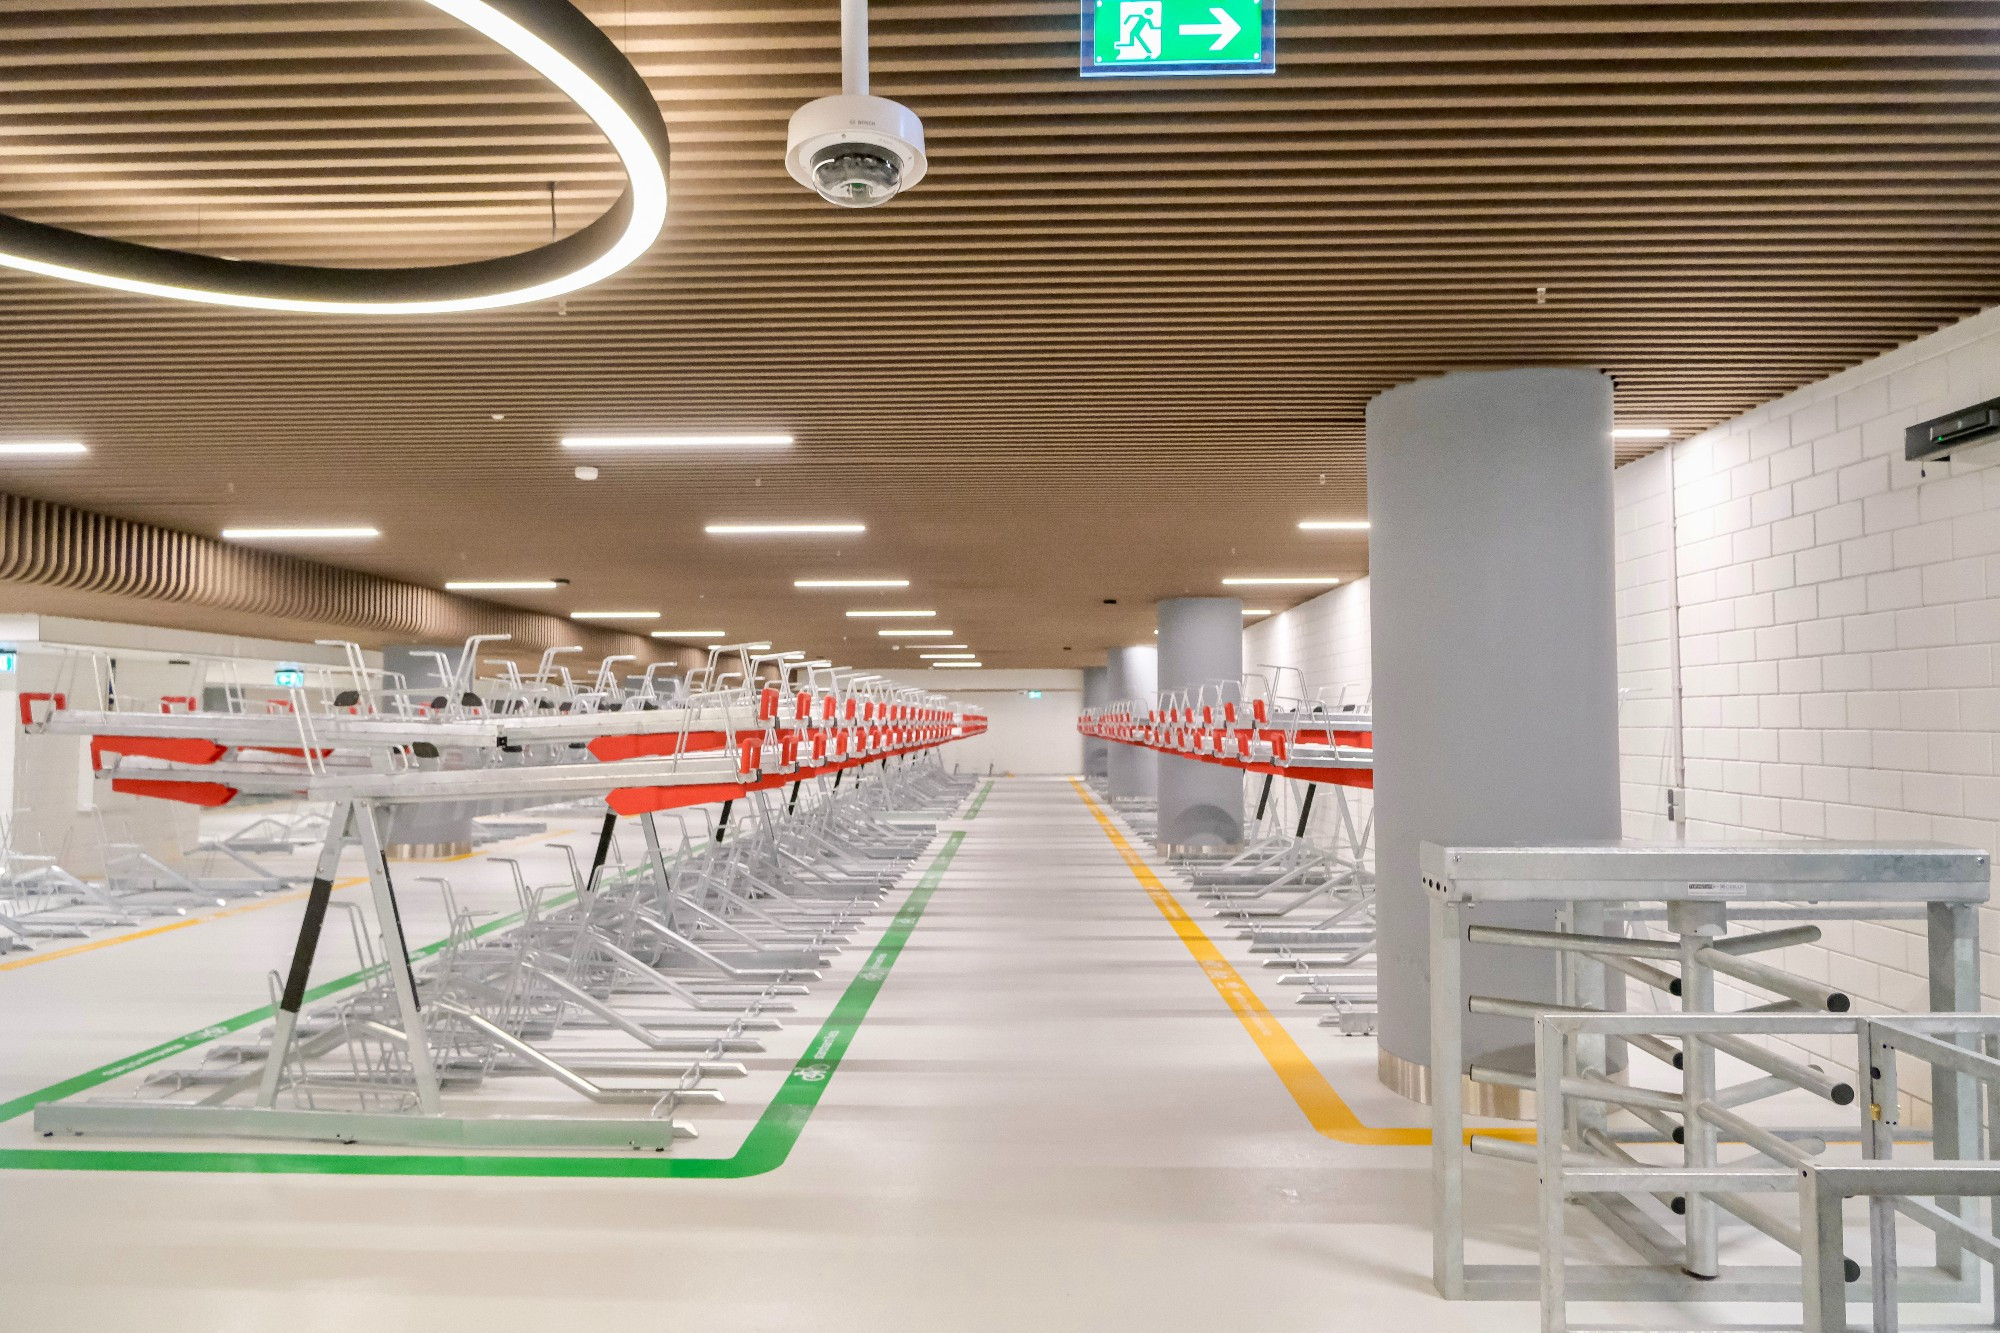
{"x":1936,"y":438}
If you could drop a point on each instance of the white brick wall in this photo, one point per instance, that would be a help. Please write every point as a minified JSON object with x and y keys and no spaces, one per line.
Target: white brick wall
{"x":1838,"y":616}
{"x":1644,"y":583}
{"x":1328,"y":640}
{"x":1839,"y":610}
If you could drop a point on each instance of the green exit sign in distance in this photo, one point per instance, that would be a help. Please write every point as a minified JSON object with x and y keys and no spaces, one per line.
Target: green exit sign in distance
{"x":1150,"y":38}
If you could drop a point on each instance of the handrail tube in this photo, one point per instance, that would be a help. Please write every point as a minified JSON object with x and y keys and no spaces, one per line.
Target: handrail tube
{"x":1572,"y":941}
{"x":1768,"y":978}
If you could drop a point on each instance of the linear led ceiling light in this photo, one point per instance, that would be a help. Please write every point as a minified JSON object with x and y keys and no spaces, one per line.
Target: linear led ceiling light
{"x":297,"y":534}
{"x":940,"y":666}
{"x":850,"y":583}
{"x":503,"y":585}
{"x":1333,"y":525}
{"x":671,"y":442}
{"x":781,"y":529}
{"x":1283,"y":580}
{"x":554,"y":39}
{"x":890,"y":615}
{"x":1640,"y":433}
{"x":944,"y":656}
{"x":41,"y":448}
{"x":614,"y":615}
{"x":1256,"y":610}
{"x":690,"y":634}
{"x":916,"y":633}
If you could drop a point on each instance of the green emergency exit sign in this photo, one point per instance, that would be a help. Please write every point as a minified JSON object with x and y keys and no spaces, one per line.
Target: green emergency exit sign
{"x":1151,"y":38}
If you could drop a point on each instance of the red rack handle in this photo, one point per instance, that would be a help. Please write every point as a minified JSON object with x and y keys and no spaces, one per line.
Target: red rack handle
{"x":28,"y":714}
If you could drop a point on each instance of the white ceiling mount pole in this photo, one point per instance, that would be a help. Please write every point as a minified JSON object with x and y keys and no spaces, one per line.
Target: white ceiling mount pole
{"x":853,"y":149}
{"x":854,"y":47}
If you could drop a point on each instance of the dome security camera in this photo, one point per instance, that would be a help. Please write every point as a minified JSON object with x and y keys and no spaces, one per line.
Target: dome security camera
{"x":855,"y":150}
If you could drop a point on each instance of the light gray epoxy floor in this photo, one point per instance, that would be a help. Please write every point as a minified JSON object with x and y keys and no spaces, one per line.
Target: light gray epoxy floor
{"x":1048,"y":1121}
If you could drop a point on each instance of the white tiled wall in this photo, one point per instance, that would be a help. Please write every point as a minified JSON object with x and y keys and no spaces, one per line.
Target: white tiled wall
{"x":1839,"y":610}
{"x":1328,"y":640}
{"x":1838,"y":617}
{"x":1645,"y":663}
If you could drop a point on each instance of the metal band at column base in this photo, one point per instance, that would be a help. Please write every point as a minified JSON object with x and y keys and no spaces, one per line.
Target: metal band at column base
{"x":1413,"y":1081}
{"x":427,"y":851}
{"x":1202,"y":849}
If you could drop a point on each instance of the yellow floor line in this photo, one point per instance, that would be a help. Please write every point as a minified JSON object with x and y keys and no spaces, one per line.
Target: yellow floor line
{"x":89,"y":946}
{"x":1323,"y":1107}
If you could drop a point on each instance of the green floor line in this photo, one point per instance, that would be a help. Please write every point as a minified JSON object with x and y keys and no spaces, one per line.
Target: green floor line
{"x":768,"y":1144}
{"x":979,"y":800}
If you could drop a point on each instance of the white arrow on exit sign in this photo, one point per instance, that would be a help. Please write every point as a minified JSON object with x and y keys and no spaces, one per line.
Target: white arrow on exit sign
{"x":1223,"y":29}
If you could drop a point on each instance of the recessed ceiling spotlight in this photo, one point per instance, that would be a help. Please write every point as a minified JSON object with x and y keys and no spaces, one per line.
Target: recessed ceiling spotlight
{"x":502,"y":585}
{"x":297,"y":534}
{"x":1640,"y":433}
{"x":42,"y":448}
{"x":781,"y":529}
{"x":1333,"y":525}
{"x":1282,"y":580}
{"x":916,"y":633}
{"x":586,"y":474}
{"x":558,"y":42}
{"x":614,"y":615}
{"x":690,"y":634}
{"x":671,"y":442}
{"x":850,"y":583}
{"x":890,"y":615}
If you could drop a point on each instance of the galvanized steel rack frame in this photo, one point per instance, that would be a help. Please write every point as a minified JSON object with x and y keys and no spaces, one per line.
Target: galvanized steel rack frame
{"x":760,"y":737}
{"x":1703,"y":889}
{"x":1577,"y":1158}
{"x":1322,"y":739}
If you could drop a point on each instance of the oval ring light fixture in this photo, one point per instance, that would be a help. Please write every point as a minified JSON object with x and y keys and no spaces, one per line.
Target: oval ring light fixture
{"x":556,"y":40}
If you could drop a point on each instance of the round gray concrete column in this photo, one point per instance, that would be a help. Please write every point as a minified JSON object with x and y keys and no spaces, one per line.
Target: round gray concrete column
{"x":1495,"y":655}
{"x":1096,"y":694}
{"x":1201,"y":644}
{"x":1132,"y":673}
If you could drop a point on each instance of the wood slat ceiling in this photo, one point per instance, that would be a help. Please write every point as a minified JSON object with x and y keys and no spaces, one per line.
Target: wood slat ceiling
{"x":1115,"y":345}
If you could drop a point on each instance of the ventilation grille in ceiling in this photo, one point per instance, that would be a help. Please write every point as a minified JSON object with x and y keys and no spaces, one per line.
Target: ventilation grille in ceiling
{"x":56,"y":546}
